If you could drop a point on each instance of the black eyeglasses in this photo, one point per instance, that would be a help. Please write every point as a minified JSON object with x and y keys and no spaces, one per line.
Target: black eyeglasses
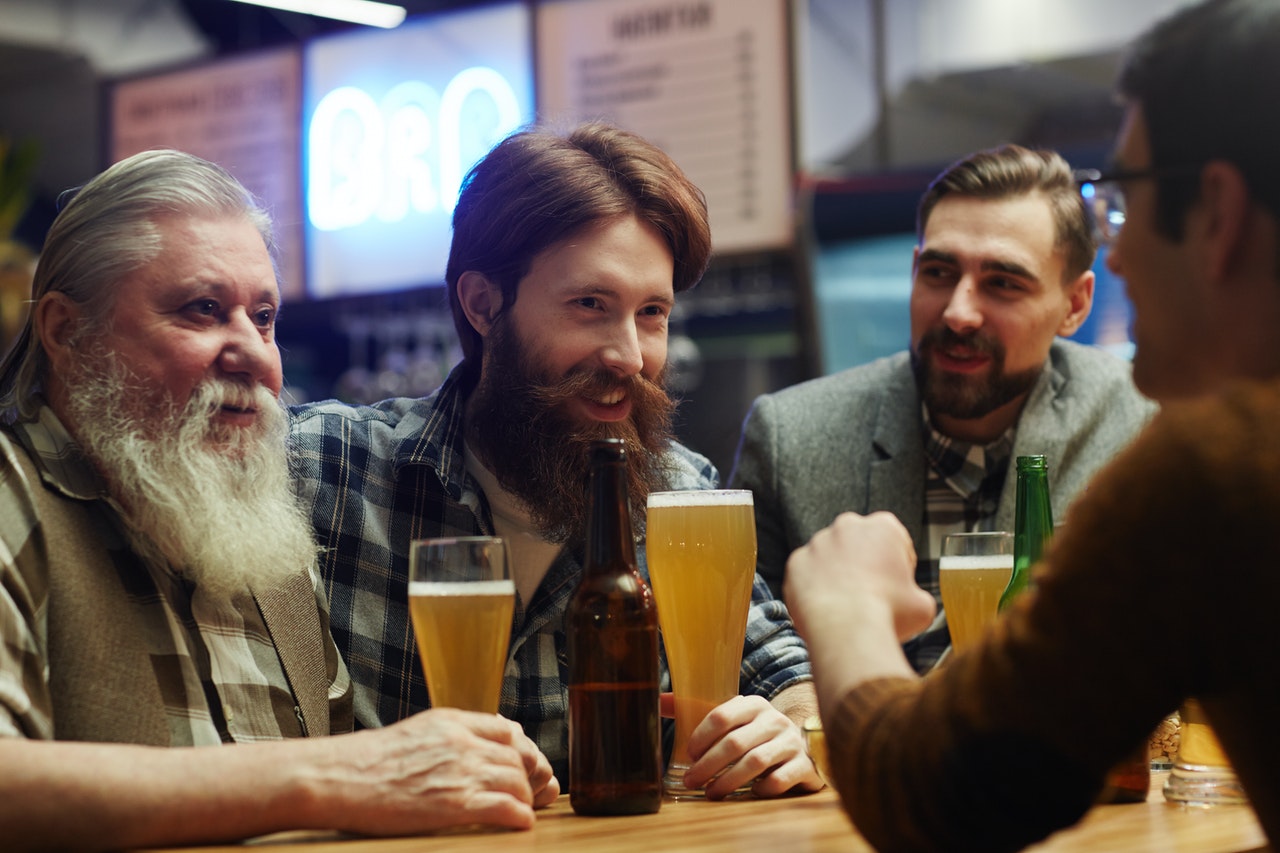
{"x":1103,"y":194}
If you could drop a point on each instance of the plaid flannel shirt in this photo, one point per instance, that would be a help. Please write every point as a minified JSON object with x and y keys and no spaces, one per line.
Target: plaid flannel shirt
{"x":377,"y":477}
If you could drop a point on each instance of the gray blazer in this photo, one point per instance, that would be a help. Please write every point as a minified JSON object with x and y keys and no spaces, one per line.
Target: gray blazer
{"x":851,"y":441}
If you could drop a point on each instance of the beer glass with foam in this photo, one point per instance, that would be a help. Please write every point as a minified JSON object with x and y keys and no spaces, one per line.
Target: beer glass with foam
{"x":701,"y":551}
{"x":461,"y":598}
{"x":973,"y":571}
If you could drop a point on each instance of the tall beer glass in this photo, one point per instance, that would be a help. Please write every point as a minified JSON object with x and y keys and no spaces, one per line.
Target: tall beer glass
{"x":701,"y":550}
{"x":1202,"y":774}
{"x":973,"y":571}
{"x":461,"y":598}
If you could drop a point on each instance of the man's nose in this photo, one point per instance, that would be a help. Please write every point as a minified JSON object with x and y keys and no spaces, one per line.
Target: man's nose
{"x":964,"y":309}
{"x":621,"y":353}
{"x":246,"y":352}
{"x":1113,"y":259}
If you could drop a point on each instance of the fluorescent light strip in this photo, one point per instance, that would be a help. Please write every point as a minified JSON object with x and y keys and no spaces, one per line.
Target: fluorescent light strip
{"x":367,"y":12}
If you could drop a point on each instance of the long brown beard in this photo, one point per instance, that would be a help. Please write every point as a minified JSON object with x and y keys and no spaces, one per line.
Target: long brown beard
{"x":965,"y":397}
{"x":519,"y":426}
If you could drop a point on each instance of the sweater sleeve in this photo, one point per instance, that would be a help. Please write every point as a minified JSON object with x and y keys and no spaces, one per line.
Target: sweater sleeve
{"x":1012,"y":739}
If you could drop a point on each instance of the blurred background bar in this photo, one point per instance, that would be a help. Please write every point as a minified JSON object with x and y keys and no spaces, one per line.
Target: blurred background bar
{"x":812,"y":125}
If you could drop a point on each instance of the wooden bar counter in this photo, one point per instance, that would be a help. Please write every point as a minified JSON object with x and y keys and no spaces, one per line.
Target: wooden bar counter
{"x":812,"y":824}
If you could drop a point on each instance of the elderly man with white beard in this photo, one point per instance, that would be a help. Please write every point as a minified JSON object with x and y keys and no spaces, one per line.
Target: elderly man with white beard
{"x":157,"y":576}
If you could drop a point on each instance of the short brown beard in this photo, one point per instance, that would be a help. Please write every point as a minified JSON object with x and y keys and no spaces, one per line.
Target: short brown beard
{"x":519,"y":426}
{"x":965,"y":398}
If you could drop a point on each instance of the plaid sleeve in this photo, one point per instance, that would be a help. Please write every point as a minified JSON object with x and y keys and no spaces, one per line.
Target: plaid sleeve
{"x":774,"y":657}
{"x":26,"y":705}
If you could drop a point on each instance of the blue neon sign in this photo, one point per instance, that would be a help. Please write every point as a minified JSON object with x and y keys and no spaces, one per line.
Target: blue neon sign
{"x":393,"y":121}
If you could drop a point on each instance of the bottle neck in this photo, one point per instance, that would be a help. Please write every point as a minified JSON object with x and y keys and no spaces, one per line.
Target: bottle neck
{"x":608,"y":518}
{"x":1033,"y":520}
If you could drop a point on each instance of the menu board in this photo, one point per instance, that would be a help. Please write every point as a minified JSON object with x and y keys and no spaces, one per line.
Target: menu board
{"x":706,"y":80}
{"x":243,"y":114}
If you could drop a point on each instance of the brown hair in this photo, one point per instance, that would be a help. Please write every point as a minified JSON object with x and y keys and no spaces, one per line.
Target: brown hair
{"x":538,"y":187}
{"x":1011,"y":170}
{"x":1203,"y":79}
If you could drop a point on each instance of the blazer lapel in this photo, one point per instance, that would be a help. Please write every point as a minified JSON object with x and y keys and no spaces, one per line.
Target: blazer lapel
{"x":291,"y":617}
{"x":896,"y":472}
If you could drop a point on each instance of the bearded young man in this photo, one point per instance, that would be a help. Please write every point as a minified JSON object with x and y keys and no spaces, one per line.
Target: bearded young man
{"x":567,"y":253}
{"x":1002,"y":268}
{"x":157,"y":584}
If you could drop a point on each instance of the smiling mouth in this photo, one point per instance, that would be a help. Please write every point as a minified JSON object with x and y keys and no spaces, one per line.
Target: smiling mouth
{"x":612,"y":398}
{"x":963,"y":354}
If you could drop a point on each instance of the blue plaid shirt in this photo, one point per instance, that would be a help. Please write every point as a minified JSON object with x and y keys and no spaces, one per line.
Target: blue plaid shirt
{"x":377,"y":477}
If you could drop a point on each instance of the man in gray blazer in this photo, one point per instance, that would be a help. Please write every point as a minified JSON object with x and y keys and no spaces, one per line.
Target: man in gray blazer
{"x":1000,"y":271}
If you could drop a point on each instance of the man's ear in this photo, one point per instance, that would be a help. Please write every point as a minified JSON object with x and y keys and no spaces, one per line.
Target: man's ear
{"x":55,"y":321}
{"x":481,"y":301}
{"x":1080,"y":298}
{"x":1224,"y":202}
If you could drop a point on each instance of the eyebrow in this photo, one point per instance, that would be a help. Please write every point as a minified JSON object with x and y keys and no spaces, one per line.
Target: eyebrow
{"x":602,"y":290}
{"x":1008,"y":267}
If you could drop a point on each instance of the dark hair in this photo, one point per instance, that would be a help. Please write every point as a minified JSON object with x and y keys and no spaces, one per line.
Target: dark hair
{"x":538,"y":187}
{"x":107,"y":230}
{"x":1203,"y":79}
{"x":1011,"y":170}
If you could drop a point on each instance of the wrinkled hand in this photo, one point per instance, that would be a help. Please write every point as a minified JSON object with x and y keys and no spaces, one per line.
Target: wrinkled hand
{"x":858,"y":560}
{"x":764,"y":747}
{"x":442,"y":768}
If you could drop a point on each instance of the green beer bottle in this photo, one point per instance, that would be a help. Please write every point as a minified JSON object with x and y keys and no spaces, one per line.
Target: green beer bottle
{"x":1032,"y":524}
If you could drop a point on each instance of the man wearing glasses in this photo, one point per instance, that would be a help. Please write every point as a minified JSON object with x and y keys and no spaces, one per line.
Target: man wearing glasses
{"x":1001,"y":272}
{"x":1012,"y":739}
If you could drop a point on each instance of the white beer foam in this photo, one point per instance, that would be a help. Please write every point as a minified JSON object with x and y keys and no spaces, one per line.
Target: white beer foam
{"x":496,"y":587}
{"x":981,"y":561}
{"x":705,"y":497}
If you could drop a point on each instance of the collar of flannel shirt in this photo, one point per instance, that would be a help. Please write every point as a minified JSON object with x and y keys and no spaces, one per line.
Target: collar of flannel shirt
{"x":970,"y":469}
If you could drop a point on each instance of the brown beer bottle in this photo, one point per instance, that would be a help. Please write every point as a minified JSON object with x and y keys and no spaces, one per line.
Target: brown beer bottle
{"x":611,"y":626}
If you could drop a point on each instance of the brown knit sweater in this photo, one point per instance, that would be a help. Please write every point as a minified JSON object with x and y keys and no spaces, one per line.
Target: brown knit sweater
{"x":1163,"y":584}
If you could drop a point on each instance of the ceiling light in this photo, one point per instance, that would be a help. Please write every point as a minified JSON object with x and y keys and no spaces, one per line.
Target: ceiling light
{"x":366,"y":12}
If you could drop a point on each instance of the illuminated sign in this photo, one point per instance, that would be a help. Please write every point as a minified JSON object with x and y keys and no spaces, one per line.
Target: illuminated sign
{"x":403,"y":154}
{"x":393,"y":121}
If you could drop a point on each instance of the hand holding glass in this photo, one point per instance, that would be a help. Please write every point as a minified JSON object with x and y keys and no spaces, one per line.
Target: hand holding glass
{"x":701,"y":552}
{"x":461,"y":598}
{"x":973,"y":570}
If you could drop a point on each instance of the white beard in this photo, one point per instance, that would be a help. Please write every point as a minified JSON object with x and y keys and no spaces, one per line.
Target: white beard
{"x":214,"y":504}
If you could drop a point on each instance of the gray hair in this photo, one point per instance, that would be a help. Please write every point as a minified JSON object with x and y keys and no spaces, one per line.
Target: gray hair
{"x":105,"y":232}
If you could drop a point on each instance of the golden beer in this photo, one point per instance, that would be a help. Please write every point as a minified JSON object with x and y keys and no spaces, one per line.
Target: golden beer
{"x":1202,"y":774}
{"x":1199,"y":745}
{"x":971,"y":589}
{"x":701,"y":551}
{"x":463,"y":629}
